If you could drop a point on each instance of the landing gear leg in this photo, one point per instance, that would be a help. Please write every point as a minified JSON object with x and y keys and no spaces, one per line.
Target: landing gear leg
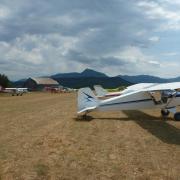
{"x":82,"y":117}
{"x":165,"y":113}
{"x":85,"y":116}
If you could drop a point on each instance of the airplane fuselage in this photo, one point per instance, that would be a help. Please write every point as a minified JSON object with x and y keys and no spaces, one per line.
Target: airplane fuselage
{"x":138,"y":100}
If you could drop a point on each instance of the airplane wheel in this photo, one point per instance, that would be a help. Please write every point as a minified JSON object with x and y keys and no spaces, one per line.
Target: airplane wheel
{"x":165,"y":112}
{"x":177,"y":116}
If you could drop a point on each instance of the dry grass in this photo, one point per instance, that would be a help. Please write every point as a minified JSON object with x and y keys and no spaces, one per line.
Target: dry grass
{"x":40,"y":138}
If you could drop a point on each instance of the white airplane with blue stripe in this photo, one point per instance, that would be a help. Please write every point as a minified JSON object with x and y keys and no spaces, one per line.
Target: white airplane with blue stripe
{"x":163,"y":96}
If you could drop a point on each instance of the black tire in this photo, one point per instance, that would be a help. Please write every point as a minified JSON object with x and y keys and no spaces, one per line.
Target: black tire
{"x":165,"y":112}
{"x":177,"y":116}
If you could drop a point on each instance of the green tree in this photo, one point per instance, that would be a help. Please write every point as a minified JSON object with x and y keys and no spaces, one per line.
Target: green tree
{"x":4,"y":81}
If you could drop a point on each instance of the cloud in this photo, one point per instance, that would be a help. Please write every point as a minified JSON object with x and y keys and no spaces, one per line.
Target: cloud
{"x":44,"y":37}
{"x":170,"y":54}
{"x":4,"y":13}
{"x":166,"y":12}
{"x":154,"y":39}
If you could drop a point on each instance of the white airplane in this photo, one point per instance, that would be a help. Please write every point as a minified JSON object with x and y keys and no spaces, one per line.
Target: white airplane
{"x":101,"y":92}
{"x":165,"y":97}
{"x":15,"y":91}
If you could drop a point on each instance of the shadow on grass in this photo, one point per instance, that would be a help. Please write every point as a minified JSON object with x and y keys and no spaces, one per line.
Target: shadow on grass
{"x":86,"y":118}
{"x":156,"y":126}
{"x":89,"y":118}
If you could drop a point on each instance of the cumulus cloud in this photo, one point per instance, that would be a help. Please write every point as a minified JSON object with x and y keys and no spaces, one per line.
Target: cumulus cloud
{"x":170,"y":54}
{"x":154,"y":39}
{"x":44,"y":37}
{"x":166,"y":12}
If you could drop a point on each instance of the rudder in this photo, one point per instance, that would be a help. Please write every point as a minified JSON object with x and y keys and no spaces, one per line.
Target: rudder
{"x":100,"y":91}
{"x":87,"y":101}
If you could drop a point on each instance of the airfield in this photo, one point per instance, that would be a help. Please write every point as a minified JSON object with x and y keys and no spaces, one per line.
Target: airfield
{"x":41,"y":138}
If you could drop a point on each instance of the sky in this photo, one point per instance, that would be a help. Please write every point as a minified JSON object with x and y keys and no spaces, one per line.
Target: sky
{"x":116,"y":37}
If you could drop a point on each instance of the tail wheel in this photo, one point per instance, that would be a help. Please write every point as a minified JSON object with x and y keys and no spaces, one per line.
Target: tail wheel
{"x":165,"y":112}
{"x":177,"y":116}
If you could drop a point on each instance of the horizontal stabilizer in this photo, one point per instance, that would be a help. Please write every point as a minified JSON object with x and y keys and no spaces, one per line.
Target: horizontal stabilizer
{"x":86,"y":109}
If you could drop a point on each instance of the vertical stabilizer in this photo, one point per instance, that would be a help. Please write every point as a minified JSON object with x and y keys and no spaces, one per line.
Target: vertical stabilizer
{"x":100,"y":91}
{"x":87,"y":101}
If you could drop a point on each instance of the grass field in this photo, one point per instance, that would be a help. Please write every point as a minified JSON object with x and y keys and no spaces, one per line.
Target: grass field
{"x":40,"y":138}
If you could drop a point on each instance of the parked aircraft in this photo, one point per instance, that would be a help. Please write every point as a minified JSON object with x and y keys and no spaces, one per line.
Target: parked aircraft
{"x":15,"y":91}
{"x":165,"y":97}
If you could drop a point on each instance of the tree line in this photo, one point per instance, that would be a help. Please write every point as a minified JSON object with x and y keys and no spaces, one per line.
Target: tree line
{"x":4,"y":81}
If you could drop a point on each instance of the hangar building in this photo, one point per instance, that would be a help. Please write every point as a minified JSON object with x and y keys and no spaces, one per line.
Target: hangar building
{"x":38,"y":84}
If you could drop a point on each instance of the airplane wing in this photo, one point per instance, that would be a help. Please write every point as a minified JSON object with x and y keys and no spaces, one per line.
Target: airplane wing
{"x":140,"y":86}
{"x":137,"y":87}
{"x":163,"y":86}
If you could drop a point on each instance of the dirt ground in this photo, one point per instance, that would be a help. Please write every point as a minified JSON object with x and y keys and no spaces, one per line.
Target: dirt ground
{"x":40,"y":138}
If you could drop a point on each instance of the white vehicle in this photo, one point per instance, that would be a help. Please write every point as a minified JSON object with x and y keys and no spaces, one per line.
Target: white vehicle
{"x":16,"y":91}
{"x":165,"y":97}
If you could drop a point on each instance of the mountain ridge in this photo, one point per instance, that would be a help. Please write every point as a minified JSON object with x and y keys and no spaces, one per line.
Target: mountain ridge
{"x":86,"y":73}
{"x":90,"y":77}
{"x":148,"y":79}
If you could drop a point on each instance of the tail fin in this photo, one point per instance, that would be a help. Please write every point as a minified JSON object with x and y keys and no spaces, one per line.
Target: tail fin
{"x":100,"y":91}
{"x":87,"y":101}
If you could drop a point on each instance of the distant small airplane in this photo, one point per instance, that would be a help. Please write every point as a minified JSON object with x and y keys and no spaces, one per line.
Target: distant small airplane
{"x":15,"y":91}
{"x":165,"y":96}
